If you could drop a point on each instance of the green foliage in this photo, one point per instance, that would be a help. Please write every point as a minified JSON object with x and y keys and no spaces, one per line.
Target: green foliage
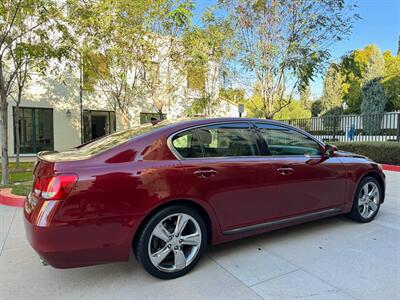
{"x":284,"y":43}
{"x":333,"y":93}
{"x":233,"y":95}
{"x":316,"y":108}
{"x":381,"y":152}
{"x":294,"y":110}
{"x":391,"y":82}
{"x":206,"y":49}
{"x":374,"y":102}
{"x":305,"y":96}
{"x":363,"y":65}
{"x":196,"y":78}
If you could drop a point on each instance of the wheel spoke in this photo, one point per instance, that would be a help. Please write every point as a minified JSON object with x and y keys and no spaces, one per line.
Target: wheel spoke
{"x":365,"y":190}
{"x":180,"y":224}
{"x":373,"y":192}
{"x":365,"y":210}
{"x":160,"y":255}
{"x":180,"y":259}
{"x":191,"y":239}
{"x":161,"y":232}
{"x":373,"y":205}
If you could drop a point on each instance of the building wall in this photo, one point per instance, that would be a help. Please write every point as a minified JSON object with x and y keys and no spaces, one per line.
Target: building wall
{"x":64,"y":97}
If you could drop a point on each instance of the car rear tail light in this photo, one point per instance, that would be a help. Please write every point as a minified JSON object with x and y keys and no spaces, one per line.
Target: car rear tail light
{"x":55,"y":187}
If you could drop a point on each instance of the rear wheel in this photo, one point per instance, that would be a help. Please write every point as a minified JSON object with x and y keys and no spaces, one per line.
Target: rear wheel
{"x":367,"y":200}
{"x":172,"y":242}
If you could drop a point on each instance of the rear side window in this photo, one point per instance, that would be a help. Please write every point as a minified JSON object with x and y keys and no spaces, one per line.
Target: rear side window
{"x":286,"y":141}
{"x":227,"y":140}
{"x":187,"y":145}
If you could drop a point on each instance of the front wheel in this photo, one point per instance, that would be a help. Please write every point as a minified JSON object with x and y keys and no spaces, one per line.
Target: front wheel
{"x":367,"y":200}
{"x":172,"y":242}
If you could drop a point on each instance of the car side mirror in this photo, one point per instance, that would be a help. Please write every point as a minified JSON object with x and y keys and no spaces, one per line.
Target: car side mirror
{"x":329,"y":150}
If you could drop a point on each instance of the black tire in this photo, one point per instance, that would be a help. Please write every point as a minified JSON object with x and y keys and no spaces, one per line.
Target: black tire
{"x":355,"y":213}
{"x":141,"y":246}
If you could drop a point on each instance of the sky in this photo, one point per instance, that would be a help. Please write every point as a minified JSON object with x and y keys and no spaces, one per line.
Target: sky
{"x":380,"y":25}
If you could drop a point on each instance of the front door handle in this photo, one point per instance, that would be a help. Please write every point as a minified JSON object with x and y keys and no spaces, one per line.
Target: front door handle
{"x":205,"y":173}
{"x":285,"y":171}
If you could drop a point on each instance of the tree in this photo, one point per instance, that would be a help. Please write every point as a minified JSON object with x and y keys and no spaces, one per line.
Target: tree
{"x":373,"y":94}
{"x":116,"y":48}
{"x":332,"y":93}
{"x":284,"y":44}
{"x":207,"y":49}
{"x":391,"y":81}
{"x":316,"y":108}
{"x":295,"y":110}
{"x":26,"y":27}
{"x":171,"y":21}
{"x":234,"y":95}
{"x":374,"y":101}
{"x":357,"y":68}
{"x":305,"y":96}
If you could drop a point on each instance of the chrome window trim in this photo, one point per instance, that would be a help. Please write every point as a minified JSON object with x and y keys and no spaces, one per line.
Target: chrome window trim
{"x":252,"y":124}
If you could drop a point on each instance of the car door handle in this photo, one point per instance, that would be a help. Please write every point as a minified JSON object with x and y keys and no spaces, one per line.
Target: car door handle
{"x":285,"y":171}
{"x":205,"y":173}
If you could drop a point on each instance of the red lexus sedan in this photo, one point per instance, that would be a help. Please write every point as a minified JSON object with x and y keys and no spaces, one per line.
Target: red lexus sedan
{"x":165,"y":191}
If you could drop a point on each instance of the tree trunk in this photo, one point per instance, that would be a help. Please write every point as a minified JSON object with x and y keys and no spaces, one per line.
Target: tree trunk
{"x":4,"y":137}
{"x":17,"y":135}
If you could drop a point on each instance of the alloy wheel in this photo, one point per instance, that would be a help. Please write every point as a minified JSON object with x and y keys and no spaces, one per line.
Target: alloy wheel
{"x":174,"y":242}
{"x":368,"y":200}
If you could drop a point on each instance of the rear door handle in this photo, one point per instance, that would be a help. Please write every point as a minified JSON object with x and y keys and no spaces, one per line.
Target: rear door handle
{"x":205,"y":173}
{"x":285,"y":171}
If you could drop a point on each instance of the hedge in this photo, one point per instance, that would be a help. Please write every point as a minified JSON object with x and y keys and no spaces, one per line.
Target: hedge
{"x":381,"y":152}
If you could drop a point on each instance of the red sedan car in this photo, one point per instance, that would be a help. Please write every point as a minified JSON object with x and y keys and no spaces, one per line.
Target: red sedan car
{"x":165,"y":191}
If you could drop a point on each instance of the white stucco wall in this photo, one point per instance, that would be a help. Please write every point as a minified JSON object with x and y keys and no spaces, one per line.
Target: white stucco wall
{"x":61,"y":97}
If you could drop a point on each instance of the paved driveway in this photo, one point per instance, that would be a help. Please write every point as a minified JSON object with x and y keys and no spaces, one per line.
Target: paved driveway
{"x":329,"y":259}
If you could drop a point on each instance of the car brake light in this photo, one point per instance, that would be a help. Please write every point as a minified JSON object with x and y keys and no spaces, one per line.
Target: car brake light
{"x":56,"y":187}
{"x":38,"y":187}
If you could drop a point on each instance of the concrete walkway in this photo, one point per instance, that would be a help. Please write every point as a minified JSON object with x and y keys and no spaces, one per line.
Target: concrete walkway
{"x":329,"y":259}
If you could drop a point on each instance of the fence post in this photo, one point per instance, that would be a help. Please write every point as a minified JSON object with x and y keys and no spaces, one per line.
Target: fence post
{"x":334,"y":128}
{"x":398,"y":127}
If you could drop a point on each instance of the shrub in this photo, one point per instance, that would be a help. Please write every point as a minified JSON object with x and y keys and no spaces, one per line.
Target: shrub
{"x":373,"y":106}
{"x":381,"y":152}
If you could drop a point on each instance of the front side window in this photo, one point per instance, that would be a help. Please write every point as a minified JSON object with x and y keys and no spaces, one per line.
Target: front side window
{"x":226,"y":140}
{"x":285,"y":141}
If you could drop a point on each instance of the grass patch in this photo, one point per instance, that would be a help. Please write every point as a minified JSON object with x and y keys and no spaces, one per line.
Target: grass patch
{"x":23,"y":166}
{"x":22,"y":189}
{"x":22,"y":176}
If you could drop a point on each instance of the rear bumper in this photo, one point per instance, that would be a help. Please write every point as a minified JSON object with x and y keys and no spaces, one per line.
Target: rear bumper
{"x":75,"y":243}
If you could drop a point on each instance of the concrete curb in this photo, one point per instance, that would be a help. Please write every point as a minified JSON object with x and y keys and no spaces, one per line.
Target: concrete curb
{"x":9,"y":199}
{"x":391,"y":168}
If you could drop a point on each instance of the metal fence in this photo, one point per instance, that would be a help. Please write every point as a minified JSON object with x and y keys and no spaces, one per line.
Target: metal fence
{"x":352,"y":128}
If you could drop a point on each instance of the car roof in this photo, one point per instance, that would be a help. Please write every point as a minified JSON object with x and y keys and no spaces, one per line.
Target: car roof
{"x":168,"y":127}
{"x":191,"y":122}
{"x":174,"y":126}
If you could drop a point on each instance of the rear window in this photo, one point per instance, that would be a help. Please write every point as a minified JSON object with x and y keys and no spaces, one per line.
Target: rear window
{"x":118,"y":138}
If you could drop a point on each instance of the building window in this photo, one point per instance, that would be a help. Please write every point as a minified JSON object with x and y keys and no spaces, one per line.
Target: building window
{"x":97,"y":124}
{"x":35,"y":129}
{"x":146,"y":117}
